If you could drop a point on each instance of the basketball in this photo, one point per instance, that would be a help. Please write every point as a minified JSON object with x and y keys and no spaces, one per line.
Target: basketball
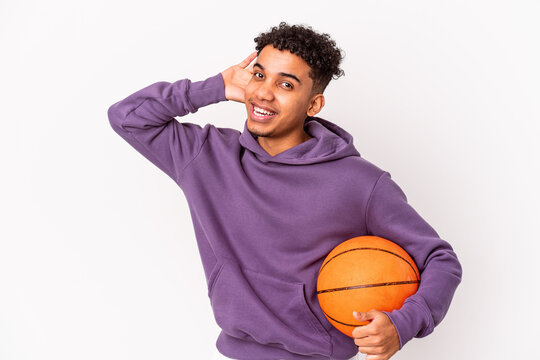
{"x":362,"y":274}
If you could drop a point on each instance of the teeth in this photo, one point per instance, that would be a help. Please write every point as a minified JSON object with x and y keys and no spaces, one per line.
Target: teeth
{"x":262,"y":111}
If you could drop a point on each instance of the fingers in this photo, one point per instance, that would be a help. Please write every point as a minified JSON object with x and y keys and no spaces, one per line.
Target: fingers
{"x":248,"y":60}
{"x":376,"y":357}
{"x":378,"y":339}
{"x":374,"y":353}
{"x":361,"y":332}
{"x":370,"y":340}
{"x":364,"y":329}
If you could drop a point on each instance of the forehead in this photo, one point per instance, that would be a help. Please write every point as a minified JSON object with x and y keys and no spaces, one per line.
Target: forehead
{"x":282,"y":61}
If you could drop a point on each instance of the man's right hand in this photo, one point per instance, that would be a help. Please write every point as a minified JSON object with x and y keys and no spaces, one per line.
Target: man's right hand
{"x":237,"y":77}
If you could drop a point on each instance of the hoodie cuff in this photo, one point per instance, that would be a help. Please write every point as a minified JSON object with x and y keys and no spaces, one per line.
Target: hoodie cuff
{"x":413,"y":319}
{"x":206,"y":92}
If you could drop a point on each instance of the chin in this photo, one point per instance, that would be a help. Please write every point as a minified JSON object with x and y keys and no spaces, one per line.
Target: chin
{"x":255,"y":130}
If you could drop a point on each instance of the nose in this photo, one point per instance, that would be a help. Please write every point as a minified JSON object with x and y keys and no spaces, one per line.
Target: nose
{"x":264,"y":91}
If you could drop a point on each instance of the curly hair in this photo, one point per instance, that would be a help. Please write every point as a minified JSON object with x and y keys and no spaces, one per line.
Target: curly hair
{"x":319,"y":51}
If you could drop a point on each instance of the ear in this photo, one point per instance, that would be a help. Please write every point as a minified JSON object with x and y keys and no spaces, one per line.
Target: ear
{"x":315,"y":105}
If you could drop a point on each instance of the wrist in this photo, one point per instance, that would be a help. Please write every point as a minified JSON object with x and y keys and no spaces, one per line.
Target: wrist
{"x":413,"y":319}
{"x":206,"y":92}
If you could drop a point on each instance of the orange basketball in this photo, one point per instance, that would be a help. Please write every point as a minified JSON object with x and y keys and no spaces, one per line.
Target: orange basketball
{"x":362,"y":274}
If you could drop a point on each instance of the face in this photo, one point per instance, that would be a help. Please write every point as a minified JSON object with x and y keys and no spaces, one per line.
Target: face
{"x":279,"y":94}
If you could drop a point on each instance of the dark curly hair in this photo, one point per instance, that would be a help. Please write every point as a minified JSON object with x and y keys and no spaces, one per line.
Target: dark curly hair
{"x":319,"y":51}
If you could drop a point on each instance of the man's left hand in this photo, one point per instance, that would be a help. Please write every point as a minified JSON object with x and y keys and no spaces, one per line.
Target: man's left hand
{"x":378,"y":339}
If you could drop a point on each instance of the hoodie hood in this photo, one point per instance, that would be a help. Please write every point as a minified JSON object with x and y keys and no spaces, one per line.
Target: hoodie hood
{"x":328,"y":142}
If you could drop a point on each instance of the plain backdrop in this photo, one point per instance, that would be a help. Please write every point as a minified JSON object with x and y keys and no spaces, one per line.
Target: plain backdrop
{"x":98,"y":258}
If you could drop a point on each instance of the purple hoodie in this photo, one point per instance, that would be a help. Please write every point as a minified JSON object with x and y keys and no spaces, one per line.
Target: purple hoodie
{"x":264,"y":224}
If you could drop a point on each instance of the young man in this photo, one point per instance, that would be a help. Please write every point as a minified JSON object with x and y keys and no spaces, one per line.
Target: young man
{"x":269,"y":203}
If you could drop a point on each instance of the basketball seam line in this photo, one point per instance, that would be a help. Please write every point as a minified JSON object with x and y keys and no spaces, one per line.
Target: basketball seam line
{"x":372,"y":248}
{"x":342,"y":323}
{"x":390,"y":283}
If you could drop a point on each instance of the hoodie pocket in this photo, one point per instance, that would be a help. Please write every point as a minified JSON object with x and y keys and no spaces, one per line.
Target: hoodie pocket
{"x":262,"y":308}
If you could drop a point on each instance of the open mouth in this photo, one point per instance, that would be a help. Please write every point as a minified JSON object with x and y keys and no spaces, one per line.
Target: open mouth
{"x":261,"y":114}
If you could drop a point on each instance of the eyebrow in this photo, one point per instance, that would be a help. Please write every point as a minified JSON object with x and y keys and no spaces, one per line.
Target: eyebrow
{"x":281,"y":73}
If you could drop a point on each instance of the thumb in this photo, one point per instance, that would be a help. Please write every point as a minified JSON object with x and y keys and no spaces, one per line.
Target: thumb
{"x":364,"y":316}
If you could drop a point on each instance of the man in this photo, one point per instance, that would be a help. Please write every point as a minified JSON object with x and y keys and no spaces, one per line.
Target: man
{"x":269,"y":203}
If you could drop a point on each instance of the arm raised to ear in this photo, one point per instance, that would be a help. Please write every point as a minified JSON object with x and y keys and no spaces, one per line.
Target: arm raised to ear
{"x":145,"y":119}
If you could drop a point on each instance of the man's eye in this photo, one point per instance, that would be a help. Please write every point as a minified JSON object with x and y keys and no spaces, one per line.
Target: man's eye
{"x":287,"y":85}
{"x":258,"y":74}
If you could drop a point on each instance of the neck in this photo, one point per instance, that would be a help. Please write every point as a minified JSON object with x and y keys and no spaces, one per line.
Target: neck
{"x":275,"y":146}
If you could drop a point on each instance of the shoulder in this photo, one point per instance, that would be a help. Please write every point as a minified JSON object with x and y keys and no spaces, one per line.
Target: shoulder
{"x":361,"y":168}
{"x":220,"y":135}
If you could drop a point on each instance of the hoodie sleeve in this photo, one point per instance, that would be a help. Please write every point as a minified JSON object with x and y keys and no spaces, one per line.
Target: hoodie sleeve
{"x":145,"y":119}
{"x":389,"y":216}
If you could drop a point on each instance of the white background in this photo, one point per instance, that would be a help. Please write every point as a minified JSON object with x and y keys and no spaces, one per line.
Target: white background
{"x":98,"y":258}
